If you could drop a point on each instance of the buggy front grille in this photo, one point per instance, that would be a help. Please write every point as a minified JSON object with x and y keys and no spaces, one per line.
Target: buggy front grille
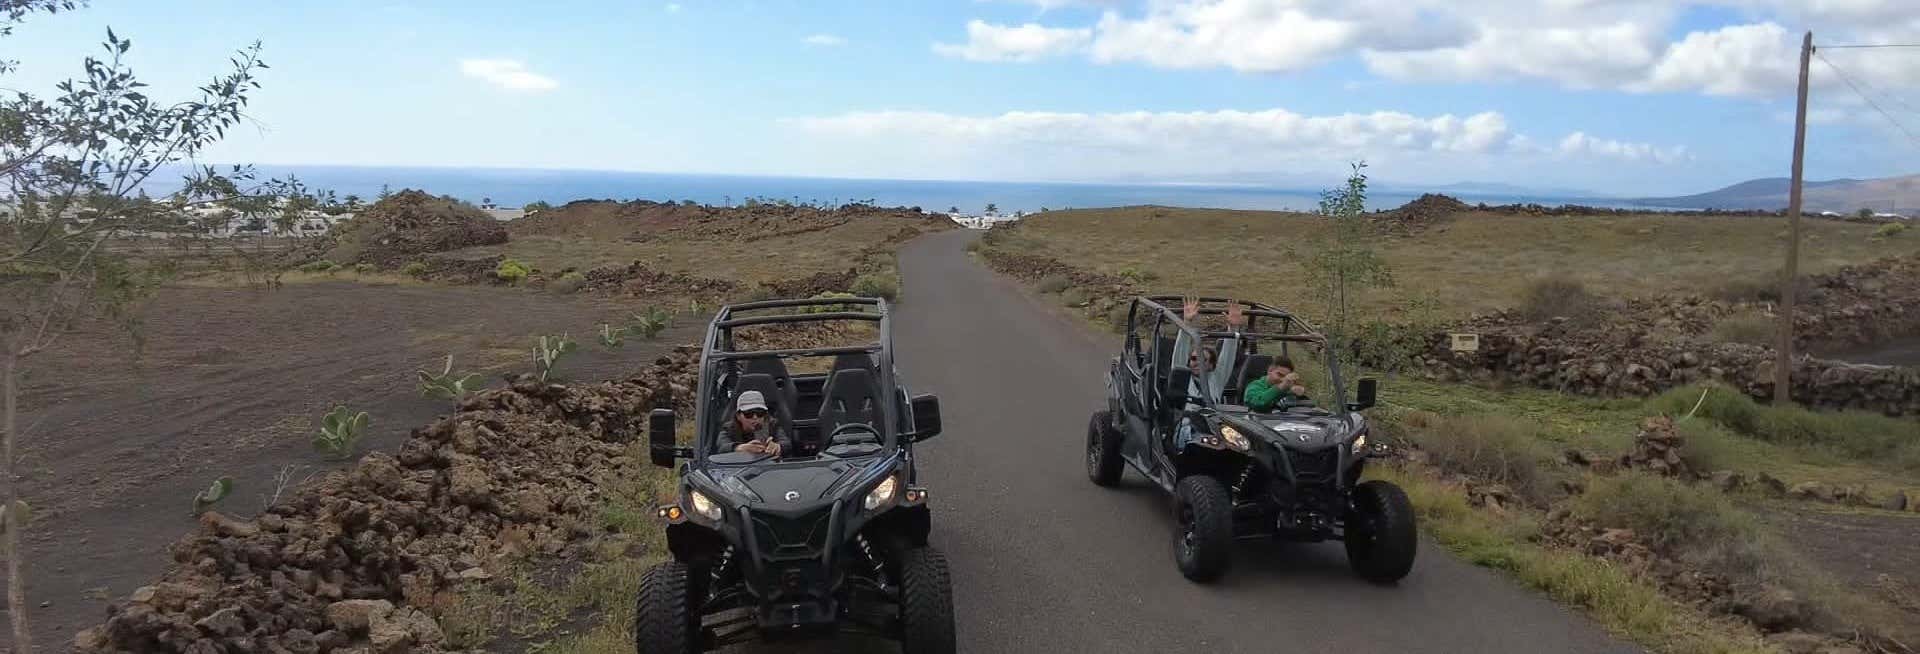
{"x":1316,"y":465}
{"x":787,"y":537}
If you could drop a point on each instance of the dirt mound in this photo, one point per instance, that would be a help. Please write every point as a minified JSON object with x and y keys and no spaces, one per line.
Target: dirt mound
{"x":407,"y":224}
{"x":604,"y":219}
{"x":1423,"y":212}
{"x":343,"y":562}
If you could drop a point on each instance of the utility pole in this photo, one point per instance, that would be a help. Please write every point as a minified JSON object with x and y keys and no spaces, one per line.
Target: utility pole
{"x":1783,"y":366}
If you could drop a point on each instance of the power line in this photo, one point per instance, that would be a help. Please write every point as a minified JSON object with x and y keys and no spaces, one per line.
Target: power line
{"x":1859,"y":46}
{"x":1876,"y":106}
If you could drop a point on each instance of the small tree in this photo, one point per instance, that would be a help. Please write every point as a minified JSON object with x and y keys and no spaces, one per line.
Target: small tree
{"x":352,"y":202}
{"x":953,"y":210}
{"x":535,"y":207}
{"x":1864,"y":213}
{"x":71,"y":167}
{"x":1344,"y":267}
{"x":993,"y":208}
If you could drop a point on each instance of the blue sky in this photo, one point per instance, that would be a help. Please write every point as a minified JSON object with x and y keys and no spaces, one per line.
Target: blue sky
{"x":1615,"y":96}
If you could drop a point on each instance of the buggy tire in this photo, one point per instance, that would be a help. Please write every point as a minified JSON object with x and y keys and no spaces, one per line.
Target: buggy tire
{"x":926,"y":603}
{"x":1381,"y":537}
{"x":665,"y":620}
{"x":1203,"y":535}
{"x":1103,"y":450}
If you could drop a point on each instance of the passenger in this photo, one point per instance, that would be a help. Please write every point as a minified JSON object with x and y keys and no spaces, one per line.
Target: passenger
{"x":1279,"y":388}
{"x":752,"y":428}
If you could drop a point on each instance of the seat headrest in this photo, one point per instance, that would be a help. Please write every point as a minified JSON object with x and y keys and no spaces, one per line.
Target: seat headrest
{"x":1253,"y":367}
{"x":852,"y":361}
{"x":769,"y":366}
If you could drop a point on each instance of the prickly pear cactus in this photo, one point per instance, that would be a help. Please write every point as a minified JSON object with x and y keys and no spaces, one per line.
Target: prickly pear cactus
{"x":205,"y":499}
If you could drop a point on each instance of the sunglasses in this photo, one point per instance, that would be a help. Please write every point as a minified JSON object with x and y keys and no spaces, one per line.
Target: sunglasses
{"x":755,"y":413}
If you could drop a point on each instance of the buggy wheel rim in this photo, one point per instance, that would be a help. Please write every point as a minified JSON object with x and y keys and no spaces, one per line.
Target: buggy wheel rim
{"x":1187,"y":535}
{"x":1093,"y":451}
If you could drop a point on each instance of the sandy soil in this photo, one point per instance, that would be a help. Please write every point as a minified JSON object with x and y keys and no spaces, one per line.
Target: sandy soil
{"x":233,"y":382}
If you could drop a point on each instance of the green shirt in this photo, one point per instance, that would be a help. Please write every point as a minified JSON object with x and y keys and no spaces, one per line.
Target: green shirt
{"x":1263,"y":396}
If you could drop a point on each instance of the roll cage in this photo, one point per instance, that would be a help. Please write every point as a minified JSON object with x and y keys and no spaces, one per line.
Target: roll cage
{"x":1165,"y":323}
{"x":723,"y":363}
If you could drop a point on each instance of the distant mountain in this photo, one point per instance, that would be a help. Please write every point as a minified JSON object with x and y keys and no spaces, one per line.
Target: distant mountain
{"x":1514,"y":190}
{"x":1890,"y":194}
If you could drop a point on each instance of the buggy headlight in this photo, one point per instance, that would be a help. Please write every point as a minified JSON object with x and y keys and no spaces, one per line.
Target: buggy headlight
{"x":704,"y":506}
{"x":1233,"y":437}
{"x":881,"y":494}
{"x":1360,"y":442}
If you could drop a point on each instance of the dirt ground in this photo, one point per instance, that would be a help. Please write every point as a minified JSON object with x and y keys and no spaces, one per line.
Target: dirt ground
{"x":233,"y":382}
{"x":1869,"y":554}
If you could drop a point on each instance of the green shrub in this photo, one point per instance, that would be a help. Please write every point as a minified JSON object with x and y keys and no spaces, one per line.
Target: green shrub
{"x":205,"y":499}
{"x":1745,"y":328}
{"x":416,"y":270}
{"x":1889,"y":230}
{"x":1491,"y":447}
{"x":880,"y":285}
{"x":1138,"y":276}
{"x":1557,"y":296}
{"x":831,"y":308}
{"x":1053,"y":283}
{"x":447,"y":384}
{"x":651,"y":322}
{"x":548,"y":351}
{"x":512,"y":272}
{"x":1075,"y":297}
{"x":762,"y":292}
{"x":363,"y":269}
{"x":340,"y":432}
{"x":612,"y":337}
{"x":569,"y":283}
{"x":321,"y":266}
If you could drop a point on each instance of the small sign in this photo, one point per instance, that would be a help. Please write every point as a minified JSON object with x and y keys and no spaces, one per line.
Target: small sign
{"x":1465,"y":342}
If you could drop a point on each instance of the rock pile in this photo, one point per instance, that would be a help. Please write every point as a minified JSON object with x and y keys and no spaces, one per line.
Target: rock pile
{"x":637,"y":279}
{"x":1423,"y":212}
{"x":1657,"y":450}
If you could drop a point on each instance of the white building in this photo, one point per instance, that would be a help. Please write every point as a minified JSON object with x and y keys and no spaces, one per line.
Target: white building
{"x":985,"y":221}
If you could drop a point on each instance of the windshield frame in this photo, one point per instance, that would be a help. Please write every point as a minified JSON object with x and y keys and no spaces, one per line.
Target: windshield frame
{"x":1293,"y":329}
{"x":720,"y":356}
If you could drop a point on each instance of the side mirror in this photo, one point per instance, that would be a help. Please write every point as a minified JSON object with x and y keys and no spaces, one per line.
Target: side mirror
{"x":1179,"y":379}
{"x":660,"y":442}
{"x":926,"y":417}
{"x":1364,"y":395}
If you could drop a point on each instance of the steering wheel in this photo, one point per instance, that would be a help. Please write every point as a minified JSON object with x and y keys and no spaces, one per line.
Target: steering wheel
{"x":871,"y":436}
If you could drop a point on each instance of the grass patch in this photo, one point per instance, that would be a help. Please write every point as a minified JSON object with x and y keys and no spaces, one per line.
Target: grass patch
{"x":1623,"y":603}
{"x":1481,"y":262}
{"x":569,"y":283}
{"x":877,"y":284}
{"x":1490,"y":447}
{"x":1890,"y":443}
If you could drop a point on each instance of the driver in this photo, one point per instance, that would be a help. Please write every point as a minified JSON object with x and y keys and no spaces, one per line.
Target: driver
{"x":752,"y":428}
{"x":1280,"y":387}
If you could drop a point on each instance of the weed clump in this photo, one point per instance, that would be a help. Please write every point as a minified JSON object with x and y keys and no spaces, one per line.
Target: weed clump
{"x":512,"y":272}
{"x":877,"y":285}
{"x":1495,"y":448}
{"x":569,"y":283}
{"x":1557,"y":296}
{"x":1053,"y":283}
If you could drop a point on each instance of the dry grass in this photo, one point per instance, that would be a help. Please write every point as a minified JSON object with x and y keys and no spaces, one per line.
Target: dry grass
{"x":1491,"y":447}
{"x":1476,"y":262}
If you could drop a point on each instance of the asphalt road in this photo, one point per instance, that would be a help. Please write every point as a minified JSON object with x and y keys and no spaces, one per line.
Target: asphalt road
{"x":1044,"y":561}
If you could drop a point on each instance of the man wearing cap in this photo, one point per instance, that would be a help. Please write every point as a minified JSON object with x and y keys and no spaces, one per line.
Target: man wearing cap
{"x":752,"y":428}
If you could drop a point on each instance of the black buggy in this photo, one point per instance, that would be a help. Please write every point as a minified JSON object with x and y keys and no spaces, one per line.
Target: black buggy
{"x":1292,"y":473}
{"x":828,"y":537}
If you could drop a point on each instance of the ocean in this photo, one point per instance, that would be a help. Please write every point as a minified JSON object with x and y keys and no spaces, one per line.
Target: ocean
{"x":515,"y":188}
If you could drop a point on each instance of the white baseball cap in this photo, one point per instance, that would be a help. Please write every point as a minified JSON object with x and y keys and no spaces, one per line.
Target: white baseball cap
{"x":749,"y":401}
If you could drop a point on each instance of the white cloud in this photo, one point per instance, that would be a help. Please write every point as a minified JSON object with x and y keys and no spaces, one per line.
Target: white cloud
{"x":824,"y":40}
{"x":507,"y":74}
{"x":1625,"y":45}
{"x":1195,"y":145}
{"x":1578,"y":143}
{"x":1029,"y":42}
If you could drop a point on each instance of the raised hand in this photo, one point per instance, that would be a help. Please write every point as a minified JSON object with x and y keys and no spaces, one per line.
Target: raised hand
{"x":1190,"y":309}
{"x":1236,"y":315}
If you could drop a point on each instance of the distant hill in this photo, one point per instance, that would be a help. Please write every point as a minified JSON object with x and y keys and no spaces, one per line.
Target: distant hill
{"x":1890,"y":194}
